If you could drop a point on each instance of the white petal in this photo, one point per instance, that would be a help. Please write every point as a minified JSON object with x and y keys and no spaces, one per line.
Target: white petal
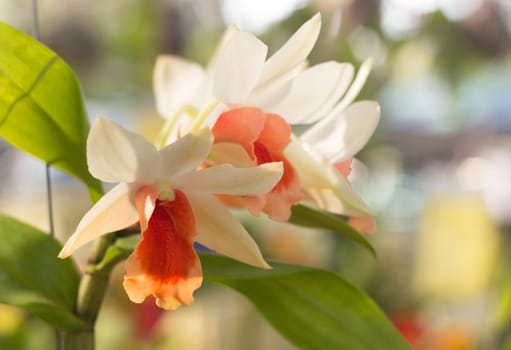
{"x":186,"y":154}
{"x":309,"y":165}
{"x":330,"y":200}
{"x":114,"y":211}
{"x":322,"y":183}
{"x":238,"y":68}
{"x":293,"y":52}
{"x":340,"y":136}
{"x":357,"y":85}
{"x":220,"y":231}
{"x":177,"y":82}
{"x":314,"y":92}
{"x":353,"y":204}
{"x":115,"y":154}
{"x":226,"y":36}
{"x":226,"y":179}
{"x":269,"y":95}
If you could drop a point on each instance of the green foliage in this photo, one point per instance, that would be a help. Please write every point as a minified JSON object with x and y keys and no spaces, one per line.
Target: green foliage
{"x":33,"y":278}
{"x":303,"y":215}
{"x":41,"y":106}
{"x":314,"y":309}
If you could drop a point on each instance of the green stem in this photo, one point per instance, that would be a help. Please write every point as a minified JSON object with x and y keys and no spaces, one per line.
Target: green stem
{"x":91,"y":292}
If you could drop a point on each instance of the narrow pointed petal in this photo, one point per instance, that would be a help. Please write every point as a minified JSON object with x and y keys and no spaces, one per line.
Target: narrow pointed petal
{"x":176,"y":82}
{"x":238,"y":68}
{"x":354,"y":205}
{"x":341,"y":136}
{"x":310,"y":165}
{"x":186,"y":154}
{"x":114,"y":211}
{"x":219,"y":230}
{"x":269,"y":95}
{"x":314,"y":92}
{"x":323,"y":184}
{"x":329,"y":200}
{"x":115,"y":154}
{"x":226,"y":36}
{"x":164,"y":263}
{"x":357,"y":85}
{"x":293,"y":52}
{"x":226,"y":179}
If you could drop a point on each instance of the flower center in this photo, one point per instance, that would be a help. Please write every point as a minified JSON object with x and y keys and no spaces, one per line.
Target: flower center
{"x":164,"y":190}
{"x":262,"y":154}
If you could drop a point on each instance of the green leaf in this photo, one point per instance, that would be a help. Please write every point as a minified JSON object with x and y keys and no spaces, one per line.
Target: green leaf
{"x":33,"y":278}
{"x":314,"y":309}
{"x":303,"y":215}
{"x":41,"y":106}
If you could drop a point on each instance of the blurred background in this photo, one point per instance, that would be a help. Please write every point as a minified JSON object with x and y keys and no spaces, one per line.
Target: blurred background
{"x":437,"y":173}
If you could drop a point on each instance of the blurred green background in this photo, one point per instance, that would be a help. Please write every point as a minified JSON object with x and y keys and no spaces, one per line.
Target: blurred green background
{"x":437,"y":173}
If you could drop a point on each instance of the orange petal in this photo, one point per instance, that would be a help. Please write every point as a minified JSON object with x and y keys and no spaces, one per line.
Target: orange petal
{"x":240,"y":125}
{"x":165,"y":264}
{"x":344,"y":167}
{"x":276,"y":133}
{"x":278,"y":202}
{"x":364,"y":224}
{"x":264,"y":137}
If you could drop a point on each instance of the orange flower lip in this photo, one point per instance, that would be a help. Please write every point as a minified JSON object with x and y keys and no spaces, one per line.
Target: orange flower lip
{"x":165,"y":264}
{"x":264,"y":137}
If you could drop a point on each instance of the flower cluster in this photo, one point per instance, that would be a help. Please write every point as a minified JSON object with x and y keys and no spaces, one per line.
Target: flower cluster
{"x":227,"y":142}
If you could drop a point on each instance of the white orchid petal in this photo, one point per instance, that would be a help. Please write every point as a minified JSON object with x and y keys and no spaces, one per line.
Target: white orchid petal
{"x":226,"y":36}
{"x":353,"y":204}
{"x":340,"y":136}
{"x":114,"y":211}
{"x":115,"y":154}
{"x":177,"y":83}
{"x":186,"y":154}
{"x":322,"y":183}
{"x":316,"y":89}
{"x":357,"y":85}
{"x":309,"y":165}
{"x":220,"y":231}
{"x":271,"y":94}
{"x":342,"y":85}
{"x":361,"y":120}
{"x":332,"y":201}
{"x":226,"y":179}
{"x":293,"y":52}
{"x":238,"y":67}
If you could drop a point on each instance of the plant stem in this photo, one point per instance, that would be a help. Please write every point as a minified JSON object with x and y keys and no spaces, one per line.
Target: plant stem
{"x":91,"y":292}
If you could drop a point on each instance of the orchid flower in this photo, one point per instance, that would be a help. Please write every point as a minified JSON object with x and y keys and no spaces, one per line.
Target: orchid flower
{"x":241,"y":79}
{"x":322,"y":157}
{"x":238,"y":75}
{"x":253,"y":137}
{"x":174,"y":202}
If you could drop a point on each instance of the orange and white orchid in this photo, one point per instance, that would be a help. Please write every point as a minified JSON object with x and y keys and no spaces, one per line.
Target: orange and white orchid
{"x":322,"y":157}
{"x":238,"y":75}
{"x":240,"y":79}
{"x":175,"y":203}
{"x":263,"y":137}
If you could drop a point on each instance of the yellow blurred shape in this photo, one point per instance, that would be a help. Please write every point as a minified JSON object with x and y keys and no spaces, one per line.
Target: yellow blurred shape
{"x":11,"y":319}
{"x":457,"y":248}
